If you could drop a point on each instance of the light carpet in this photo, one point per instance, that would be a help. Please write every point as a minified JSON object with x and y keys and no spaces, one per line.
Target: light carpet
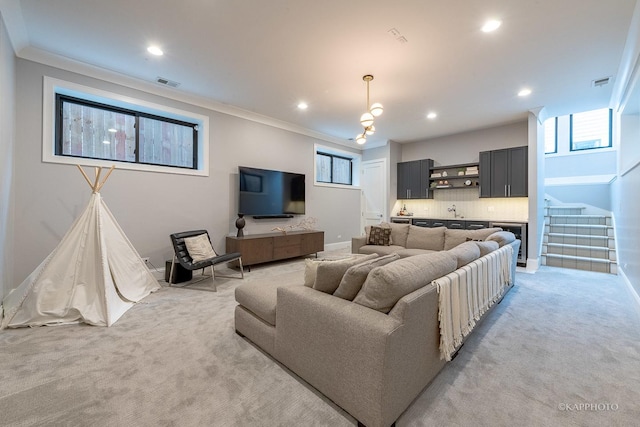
{"x":560,"y":338}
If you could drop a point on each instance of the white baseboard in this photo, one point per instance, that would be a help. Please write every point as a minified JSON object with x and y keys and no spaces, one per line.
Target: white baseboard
{"x":533,"y":264}
{"x":632,"y":290}
{"x":337,"y":246}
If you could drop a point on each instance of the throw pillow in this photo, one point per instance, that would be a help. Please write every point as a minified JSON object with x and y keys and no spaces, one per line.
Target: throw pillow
{"x":311,"y":269}
{"x":355,"y":276}
{"x":487,"y":247}
{"x":502,"y":237}
{"x":465,"y":253}
{"x":329,"y":274}
{"x":426,"y":238}
{"x":385,"y":285}
{"x":380,"y":236}
{"x":453,"y":237}
{"x":199,"y":247}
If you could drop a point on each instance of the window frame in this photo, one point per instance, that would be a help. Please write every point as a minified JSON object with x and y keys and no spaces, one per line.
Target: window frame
{"x":332,"y":157}
{"x":356,"y":160}
{"x":52,"y":87}
{"x":610,"y":135}
{"x":555,"y":137}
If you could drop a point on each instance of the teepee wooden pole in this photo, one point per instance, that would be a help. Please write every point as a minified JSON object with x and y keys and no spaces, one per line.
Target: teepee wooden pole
{"x":85,"y":176}
{"x":95,"y":184}
{"x":106,"y":177}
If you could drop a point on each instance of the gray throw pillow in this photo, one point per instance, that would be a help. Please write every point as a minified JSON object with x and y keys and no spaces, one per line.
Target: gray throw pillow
{"x":329,"y":274}
{"x":453,"y":237}
{"x":486,"y":247}
{"x":465,"y":253}
{"x":426,"y":238}
{"x":387,"y":284}
{"x":502,"y":237}
{"x":355,"y":276}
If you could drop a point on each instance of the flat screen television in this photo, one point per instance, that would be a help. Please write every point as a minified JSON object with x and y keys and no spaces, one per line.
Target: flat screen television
{"x":270,"y":194}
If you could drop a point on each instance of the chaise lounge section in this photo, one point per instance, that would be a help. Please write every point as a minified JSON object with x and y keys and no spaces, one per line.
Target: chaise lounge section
{"x":374,"y":353}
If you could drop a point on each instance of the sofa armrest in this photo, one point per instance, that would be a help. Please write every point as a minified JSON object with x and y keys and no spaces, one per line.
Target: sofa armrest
{"x":357,"y":243}
{"x":371,"y":364}
{"x":514,"y":262}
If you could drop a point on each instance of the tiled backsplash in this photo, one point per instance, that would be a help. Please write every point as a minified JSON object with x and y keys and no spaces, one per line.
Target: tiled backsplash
{"x":468,"y":205}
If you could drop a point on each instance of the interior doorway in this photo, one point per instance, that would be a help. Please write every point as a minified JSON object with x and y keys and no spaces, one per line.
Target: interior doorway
{"x":374,"y":192}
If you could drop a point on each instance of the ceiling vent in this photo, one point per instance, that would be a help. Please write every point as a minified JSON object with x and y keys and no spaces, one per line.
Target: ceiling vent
{"x":600,"y":82}
{"x":167,"y":82}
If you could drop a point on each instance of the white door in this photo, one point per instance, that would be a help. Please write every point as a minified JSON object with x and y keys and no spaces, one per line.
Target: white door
{"x":374,"y":192}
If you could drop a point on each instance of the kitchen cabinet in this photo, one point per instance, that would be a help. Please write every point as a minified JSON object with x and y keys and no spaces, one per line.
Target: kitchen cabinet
{"x":413,"y":179}
{"x":504,"y":173}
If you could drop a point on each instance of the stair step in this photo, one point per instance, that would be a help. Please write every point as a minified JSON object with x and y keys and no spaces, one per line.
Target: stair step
{"x":581,"y":263}
{"x":565,"y":210}
{"x":578,"y":239}
{"x":597,"y":252}
{"x":579,"y":219}
{"x":581,"y":229}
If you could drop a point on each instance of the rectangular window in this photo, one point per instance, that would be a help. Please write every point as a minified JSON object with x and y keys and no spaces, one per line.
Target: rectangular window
{"x":94,"y":130}
{"x":334,"y":169}
{"x":591,"y":129}
{"x":551,"y":136}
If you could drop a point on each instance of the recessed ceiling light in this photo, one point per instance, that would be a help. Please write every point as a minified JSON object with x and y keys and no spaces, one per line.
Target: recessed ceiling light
{"x":155,"y":50}
{"x":431,"y":115}
{"x":491,"y":25}
{"x":112,"y":130}
{"x":106,"y":142}
{"x":524,"y":92}
{"x":303,"y":106}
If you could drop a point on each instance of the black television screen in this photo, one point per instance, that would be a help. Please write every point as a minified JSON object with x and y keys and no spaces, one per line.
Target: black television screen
{"x":270,"y":193}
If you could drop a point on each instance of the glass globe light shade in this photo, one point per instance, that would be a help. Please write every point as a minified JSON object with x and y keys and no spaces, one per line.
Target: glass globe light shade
{"x":376,"y":109}
{"x":361,"y":139}
{"x":370,"y":130}
{"x":366,"y":120}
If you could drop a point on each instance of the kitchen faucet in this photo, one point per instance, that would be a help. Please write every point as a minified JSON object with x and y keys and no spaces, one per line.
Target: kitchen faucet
{"x":453,"y":209}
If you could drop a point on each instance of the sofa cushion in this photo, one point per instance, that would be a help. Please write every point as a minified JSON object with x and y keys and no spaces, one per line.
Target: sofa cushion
{"x":380,"y":236}
{"x":355,"y":276}
{"x":453,"y":237}
{"x":387,"y":284}
{"x":426,"y":238}
{"x":380,"y":250}
{"x":329,"y":273}
{"x":486,"y":247}
{"x":398,"y":233}
{"x":502,"y":237}
{"x":412,"y":252}
{"x":465,"y":253}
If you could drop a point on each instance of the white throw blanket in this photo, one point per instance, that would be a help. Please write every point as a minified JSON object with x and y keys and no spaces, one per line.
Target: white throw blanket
{"x":467,"y":293}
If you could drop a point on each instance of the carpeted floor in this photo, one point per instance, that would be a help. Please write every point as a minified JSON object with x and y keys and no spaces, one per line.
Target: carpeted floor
{"x":562,"y":349}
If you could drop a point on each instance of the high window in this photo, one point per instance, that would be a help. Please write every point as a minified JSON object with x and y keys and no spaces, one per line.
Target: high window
{"x":591,"y":129}
{"x":333,"y":169}
{"x":94,"y":127}
{"x":336,"y":167}
{"x":97,"y":131}
{"x":551,"y":136}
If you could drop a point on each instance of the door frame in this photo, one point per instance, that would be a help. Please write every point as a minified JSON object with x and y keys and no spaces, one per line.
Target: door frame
{"x":385,"y":190}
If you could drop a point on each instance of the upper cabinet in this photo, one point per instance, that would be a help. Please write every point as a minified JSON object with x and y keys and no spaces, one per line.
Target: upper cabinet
{"x":413,"y":179}
{"x":504,"y":173}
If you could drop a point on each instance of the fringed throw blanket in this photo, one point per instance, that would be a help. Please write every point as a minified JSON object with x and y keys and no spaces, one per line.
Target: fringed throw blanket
{"x":467,"y":293}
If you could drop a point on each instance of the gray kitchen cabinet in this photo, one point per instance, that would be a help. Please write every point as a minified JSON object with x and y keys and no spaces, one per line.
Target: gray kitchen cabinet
{"x":413,"y":179}
{"x":504,"y":173}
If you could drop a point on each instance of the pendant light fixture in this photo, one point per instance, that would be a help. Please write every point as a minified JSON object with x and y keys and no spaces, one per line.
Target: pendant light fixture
{"x":366,"y":120}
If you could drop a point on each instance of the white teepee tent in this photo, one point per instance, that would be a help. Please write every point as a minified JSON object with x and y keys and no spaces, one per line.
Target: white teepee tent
{"x":94,"y":275}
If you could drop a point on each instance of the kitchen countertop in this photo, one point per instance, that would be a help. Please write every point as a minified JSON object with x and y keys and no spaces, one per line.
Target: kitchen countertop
{"x":516,"y":221}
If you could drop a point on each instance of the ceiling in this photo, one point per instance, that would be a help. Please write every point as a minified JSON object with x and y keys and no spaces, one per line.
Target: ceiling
{"x":265,"y":57}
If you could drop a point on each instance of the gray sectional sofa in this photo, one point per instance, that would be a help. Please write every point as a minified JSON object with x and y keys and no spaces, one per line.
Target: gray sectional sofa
{"x":364,"y":330}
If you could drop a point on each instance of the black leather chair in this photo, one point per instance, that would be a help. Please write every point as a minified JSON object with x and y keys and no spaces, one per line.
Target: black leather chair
{"x":182,"y":256}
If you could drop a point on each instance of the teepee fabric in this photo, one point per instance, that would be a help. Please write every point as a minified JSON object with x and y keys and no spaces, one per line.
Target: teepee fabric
{"x":94,"y":276}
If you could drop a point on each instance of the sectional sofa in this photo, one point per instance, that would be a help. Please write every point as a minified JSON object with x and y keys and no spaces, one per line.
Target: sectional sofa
{"x":365,"y":330}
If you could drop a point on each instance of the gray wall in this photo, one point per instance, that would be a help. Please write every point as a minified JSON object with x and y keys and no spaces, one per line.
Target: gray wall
{"x":468,"y":145}
{"x":149,"y":206}
{"x":7,"y":143}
